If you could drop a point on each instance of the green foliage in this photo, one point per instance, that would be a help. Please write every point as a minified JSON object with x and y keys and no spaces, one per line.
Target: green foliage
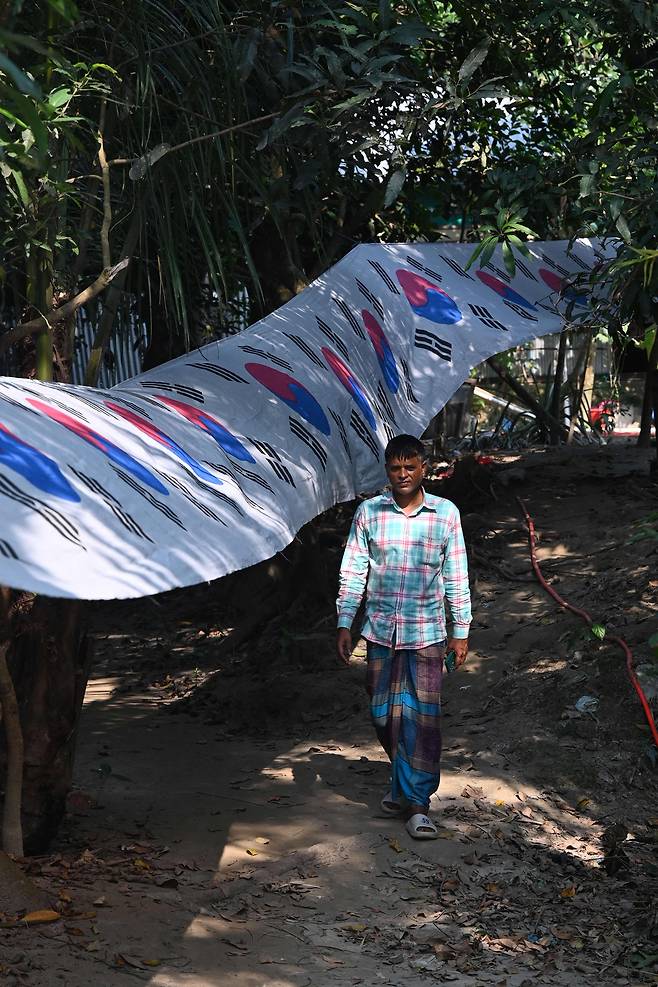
{"x":254,"y":144}
{"x":598,"y":631}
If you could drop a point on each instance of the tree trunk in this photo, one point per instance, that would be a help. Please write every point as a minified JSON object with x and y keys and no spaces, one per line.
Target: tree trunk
{"x":649,"y":401}
{"x":586,"y":365}
{"x":49,"y":662}
{"x":557,"y":409}
{"x":12,"y":830}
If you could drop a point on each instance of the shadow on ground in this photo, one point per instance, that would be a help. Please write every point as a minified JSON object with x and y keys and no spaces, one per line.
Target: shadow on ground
{"x":225,"y":832}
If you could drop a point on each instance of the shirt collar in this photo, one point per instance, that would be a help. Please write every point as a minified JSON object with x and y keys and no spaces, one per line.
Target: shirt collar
{"x":424,"y":506}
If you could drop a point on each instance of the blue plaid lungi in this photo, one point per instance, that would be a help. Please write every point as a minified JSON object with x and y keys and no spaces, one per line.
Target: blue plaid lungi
{"x":405,"y":704}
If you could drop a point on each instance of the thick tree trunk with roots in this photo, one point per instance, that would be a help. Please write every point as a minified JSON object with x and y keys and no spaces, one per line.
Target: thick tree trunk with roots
{"x":48,"y":658}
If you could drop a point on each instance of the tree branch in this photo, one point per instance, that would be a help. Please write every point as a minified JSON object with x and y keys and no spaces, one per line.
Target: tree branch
{"x":107,"y":197}
{"x":43,"y":322}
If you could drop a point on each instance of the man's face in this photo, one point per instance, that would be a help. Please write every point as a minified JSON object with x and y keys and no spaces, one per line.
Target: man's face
{"x":405,"y":475}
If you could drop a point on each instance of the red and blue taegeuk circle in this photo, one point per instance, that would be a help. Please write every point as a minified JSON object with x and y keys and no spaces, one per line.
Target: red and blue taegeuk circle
{"x":558,"y":284}
{"x":504,"y":290}
{"x":199,"y":417}
{"x":291,"y":392}
{"x":383,"y":351}
{"x":350,"y":383}
{"x":428,"y":300}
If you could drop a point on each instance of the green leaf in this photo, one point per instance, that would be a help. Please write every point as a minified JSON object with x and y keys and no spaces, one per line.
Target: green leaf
{"x":515,"y":241}
{"x":22,"y":81}
{"x":140,"y":166}
{"x":598,"y":630}
{"x":508,"y":259}
{"x":394,"y":186}
{"x":58,"y":97}
{"x":22,"y":187}
{"x":476,"y":253}
{"x":473,"y":61}
{"x":623,"y":228}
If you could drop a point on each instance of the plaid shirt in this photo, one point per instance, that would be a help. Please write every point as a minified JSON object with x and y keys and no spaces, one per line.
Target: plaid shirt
{"x":412,"y":564}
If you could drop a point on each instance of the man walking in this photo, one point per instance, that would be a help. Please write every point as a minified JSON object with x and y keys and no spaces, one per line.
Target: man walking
{"x":406,"y":551}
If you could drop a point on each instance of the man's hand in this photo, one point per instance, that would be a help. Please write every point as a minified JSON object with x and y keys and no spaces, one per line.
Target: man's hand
{"x":344,"y":644}
{"x":460,"y":646}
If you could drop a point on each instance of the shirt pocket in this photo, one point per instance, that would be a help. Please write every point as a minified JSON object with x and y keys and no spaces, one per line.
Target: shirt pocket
{"x":432,"y":554}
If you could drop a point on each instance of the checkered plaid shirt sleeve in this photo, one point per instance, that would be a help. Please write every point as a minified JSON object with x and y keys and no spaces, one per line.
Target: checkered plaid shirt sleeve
{"x":353,"y":571}
{"x":455,"y":579}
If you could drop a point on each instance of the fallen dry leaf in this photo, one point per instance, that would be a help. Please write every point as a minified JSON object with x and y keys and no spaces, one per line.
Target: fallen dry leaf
{"x":40,"y":916}
{"x":252,"y":852}
{"x":394,"y":845}
{"x":568,"y":892}
{"x":263,"y":840}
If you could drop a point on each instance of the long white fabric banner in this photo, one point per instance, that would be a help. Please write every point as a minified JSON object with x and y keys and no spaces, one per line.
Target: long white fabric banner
{"x":214,"y":461}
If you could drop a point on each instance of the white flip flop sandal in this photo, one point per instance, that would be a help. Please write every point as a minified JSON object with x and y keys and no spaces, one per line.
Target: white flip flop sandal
{"x":390,"y":807}
{"x":421,"y":827}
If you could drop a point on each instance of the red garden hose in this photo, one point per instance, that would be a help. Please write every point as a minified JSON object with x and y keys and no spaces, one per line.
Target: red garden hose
{"x":587,"y":618}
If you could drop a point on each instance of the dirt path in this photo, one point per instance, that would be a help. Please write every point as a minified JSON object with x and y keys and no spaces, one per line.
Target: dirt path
{"x":231,"y":836}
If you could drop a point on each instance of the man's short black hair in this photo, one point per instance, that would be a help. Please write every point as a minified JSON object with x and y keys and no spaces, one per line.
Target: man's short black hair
{"x":404,"y":447}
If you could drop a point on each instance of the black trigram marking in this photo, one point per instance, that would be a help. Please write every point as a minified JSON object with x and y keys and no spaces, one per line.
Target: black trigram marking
{"x":274,"y":461}
{"x":306,"y":349}
{"x":364,"y":433}
{"x":388,"y":281}
{"x":266,"y":355}
{"x":524,"y":269}
{"x":58,"y":521}
{"x":367,"y":293}
{"x":210,"y":489}
{"x":503,"y":275}
{"x":486,"y":318}
{"x":385,"y":404}
{"x":456,"y":267}
{"x":520,"y":311}
{"x":148,"y":496}
{"x":349,"y":315}
{"x":181,"y":389}
{"x":412,"y":262}
{"x":225,"y":471}
{"x":242,"y":471}
{"x":266,"y":449}
{"x":333,"y":338}
{"x":74,"y":411}
{"x":110,"y":501}
{"x":556,"y":267}
{"x":553,"y":309}
{"x":411,"y":397}
{"x":303,"y":433}
{"x":208,"y":511}
{"x":137,"y":408}
{"x":583,"y":265}
{"x":341,"y":431}
{"x":224,"y":372}
{"x":98,"y":407}
{"x":7,"y":550}
{"x":19,"y":404}
{"x":426,"y":340}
